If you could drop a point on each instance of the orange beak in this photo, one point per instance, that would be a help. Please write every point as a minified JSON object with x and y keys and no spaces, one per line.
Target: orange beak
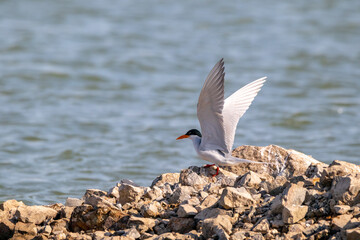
{"x":182,"y":137}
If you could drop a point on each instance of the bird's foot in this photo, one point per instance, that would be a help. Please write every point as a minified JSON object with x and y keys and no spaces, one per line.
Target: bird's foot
{"x":209,"y":165}
{"x":217,"y":172}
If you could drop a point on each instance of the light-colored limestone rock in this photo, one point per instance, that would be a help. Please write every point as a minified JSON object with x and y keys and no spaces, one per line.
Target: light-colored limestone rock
{"x":293,"y":213}
{"x":235,"y":197}
{"x":186,"y":210}
{"x":34,"y":214}
{"x":169,"y":178}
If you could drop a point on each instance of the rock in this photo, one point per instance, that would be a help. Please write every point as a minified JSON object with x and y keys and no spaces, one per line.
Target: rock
{"x":181,"y":193}
{"x":353,"y":234}
{"x":9,"y":207}
{"x":293,"y":213}
{"x":315,"y":170}
{"x":151,"y":209}
{"x":6,"y":226}
{"x":66,"y":212}
{"x":247,"y":235}
{"x":212,"y":213}
{"x":220,"y":227}
{"x":141,"y":224}
{"x":345,"y":189}
{"x":169,"y":178}
{"x":235,"y":197}
{"x":129,"y":194}
{"x":249,"y":179}
{"x":34,"y":214}
{"x":154,"y":193}
{"x":194,"y":201}
{"x":288,"y":163}
{"x":26,"y":228}
{"x":186,"y":210}
{"x":73,"y":202}
{"x":181,"y":225}
{"x":213,"y":188}
{"x":86,"y":217}
{"x":188,"y":177}
{"x":262,"y":226}
{"x":98,"y":235}
{"x":340,"y":209}
{"x":209,"y":201}
{"x":132,"y":233}
{"x":59,"y":225}
{"x":338,"y":168}
{"x":340,"y":221}
{"x":294,"y":194}
{"x":98,"y":198}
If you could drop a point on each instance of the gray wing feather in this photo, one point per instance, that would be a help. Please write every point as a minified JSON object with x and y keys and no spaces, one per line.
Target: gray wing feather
{"x":210,"y":108}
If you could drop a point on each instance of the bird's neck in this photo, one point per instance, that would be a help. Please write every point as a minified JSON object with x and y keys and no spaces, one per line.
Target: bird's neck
{"x":196,"y":142}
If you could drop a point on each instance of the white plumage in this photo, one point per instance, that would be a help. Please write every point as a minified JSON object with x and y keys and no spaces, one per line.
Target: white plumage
{"x":218,"y":117}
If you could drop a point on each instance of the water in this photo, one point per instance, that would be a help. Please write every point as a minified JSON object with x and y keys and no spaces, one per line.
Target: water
{"x":95,"y":91}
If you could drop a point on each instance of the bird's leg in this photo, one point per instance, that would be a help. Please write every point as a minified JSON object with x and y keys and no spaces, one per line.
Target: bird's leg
{"x":217,"y":172}
{"x":209,"y":165}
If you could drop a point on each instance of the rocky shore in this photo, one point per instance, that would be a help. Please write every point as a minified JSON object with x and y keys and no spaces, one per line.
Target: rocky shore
{"x":293,"y":196}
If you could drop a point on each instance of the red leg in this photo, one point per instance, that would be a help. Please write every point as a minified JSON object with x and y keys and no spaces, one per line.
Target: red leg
{"x":217,"y":172}
{"x":209,"y":165}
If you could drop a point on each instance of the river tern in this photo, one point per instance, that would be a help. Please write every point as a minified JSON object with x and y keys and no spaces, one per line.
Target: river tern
{"x":218,"y":118}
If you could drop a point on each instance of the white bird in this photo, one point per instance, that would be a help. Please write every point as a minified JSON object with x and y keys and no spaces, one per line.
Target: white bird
{"x":218,"y":118}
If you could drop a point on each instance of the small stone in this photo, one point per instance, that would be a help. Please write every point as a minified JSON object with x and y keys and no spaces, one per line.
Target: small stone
{"x":235,"y":197}
{"x":26,"y":228}
{"x":340,"y":221}
{"x":181,"y":193}
{"x":186,"y":210}
{"x":294,"y":194}
{"x":151,"y":209}
{"x":276,"y":205}
{"x":132,"y":233}
{"x":345,"y":189}
{"x":212,"y":213}
{"x":98,"y":198}
{"x":209,"y":201}
{"x":154,"y":193}
{"x":338,"y":168}
{"x":277,"y":223}
{"x":315,"y":170}
{"x":249,"y":179}
{"x":262,"y":226}
{"x":73,"y":202}
{"x":35,"y":214}
{"x":247,"y":235}
{"x":293,"y":214}
{"x":59,"y":225}
{"x":6,"y":226}
{"x":181,"y":225}
{"x":98,"y":235}
{"x":190,"y":178}
{"x":141,"y":224}
{"x":340,"y":209}
{"x":9,"y":207}
{"x":220,"y":226}
{"x":169,"y":178}
{"x":114,"y":192}
{"x":129,"y":194}
{"x":353,"y":234}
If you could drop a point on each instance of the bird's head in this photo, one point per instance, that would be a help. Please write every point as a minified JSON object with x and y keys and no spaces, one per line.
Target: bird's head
{"x":190,"y":134}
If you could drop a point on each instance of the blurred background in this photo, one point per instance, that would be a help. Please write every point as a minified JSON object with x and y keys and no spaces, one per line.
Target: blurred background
{"x":92,"y":92}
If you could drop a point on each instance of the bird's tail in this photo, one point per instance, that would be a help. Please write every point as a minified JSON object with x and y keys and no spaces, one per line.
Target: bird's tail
{"x":230,"y":160}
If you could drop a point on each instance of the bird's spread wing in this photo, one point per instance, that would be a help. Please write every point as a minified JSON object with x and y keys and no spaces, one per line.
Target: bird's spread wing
{"x":236,"y":105}
{"x":210,"y":108}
